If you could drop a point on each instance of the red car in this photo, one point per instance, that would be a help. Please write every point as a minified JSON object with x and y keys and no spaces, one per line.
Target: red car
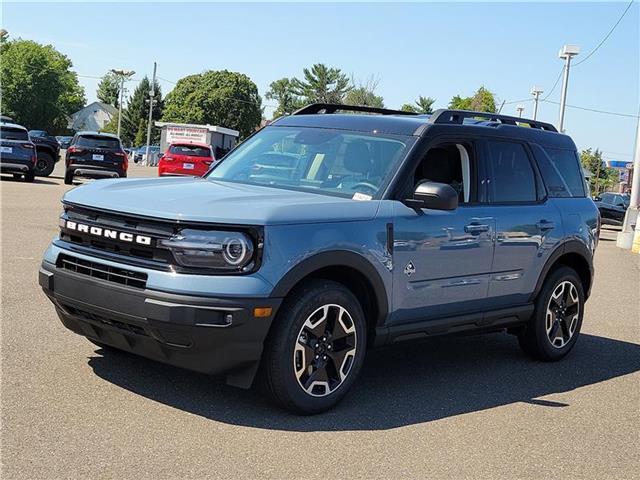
{"x":192,"y":159}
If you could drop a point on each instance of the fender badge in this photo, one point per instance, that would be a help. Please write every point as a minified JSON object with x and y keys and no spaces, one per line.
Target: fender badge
{"x":410,"y":269}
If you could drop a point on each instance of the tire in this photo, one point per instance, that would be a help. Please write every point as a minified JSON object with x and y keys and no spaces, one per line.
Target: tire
{"x":17,"y":176}
{"x":68,"y":178}
{"x":44,"y":164}
{"x":29,"y":177}
{"x":320,"y":325}
{"x":557,"y":319}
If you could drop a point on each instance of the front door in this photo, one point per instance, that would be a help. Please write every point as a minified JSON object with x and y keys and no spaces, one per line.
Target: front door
{"x":442,"y":259}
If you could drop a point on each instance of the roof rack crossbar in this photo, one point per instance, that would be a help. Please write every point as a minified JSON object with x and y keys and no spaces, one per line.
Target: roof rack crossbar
{"x":334,"y":107}
{"x":458,"y":116}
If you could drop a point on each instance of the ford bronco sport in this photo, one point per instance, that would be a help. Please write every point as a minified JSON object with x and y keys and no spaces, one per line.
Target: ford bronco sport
{"x":327,"y":233}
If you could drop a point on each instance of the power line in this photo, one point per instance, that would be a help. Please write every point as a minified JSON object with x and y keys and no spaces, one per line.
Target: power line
{"x":555,"y":84}
{"x":629,"y":115}
{"x":606,"y":36}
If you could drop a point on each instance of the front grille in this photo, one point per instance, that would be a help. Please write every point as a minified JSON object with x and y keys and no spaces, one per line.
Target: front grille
{"x":150,"y":255}
{"x":118,"y":275}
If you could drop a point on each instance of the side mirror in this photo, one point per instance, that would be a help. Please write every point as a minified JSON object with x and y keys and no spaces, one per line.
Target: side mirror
{"x":597,"y":198}
{"x":434,"y":195}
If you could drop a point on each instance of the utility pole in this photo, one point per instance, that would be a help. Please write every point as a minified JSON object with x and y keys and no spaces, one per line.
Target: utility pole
{"x":536,"y":92}
{"x":627,"y":238}
{"x":152,"y":94}
{"x":520,"y":109}
{"x":566,"y":52}
{"x":122,"y":74}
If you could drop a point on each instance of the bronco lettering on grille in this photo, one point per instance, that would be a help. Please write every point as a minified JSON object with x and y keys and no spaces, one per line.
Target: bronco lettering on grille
{"x":108,"y":233}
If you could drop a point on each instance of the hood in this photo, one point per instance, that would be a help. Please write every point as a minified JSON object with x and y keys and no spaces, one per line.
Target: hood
{"x":201,"y":200}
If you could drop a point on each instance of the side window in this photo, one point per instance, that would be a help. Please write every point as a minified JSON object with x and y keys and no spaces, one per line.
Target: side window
{"x":561,"y":171}
{"x":606,"y":198}
{"x":450,"y":163}
{"x":511,"y":177}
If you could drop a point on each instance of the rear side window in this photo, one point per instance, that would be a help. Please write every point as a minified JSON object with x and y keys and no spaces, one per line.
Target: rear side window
{"x":511,"y":176}
{"x":561,"y":171}
{"x":192,"y":150}
{"x":10,"y":133}
{"x":98,"y":141}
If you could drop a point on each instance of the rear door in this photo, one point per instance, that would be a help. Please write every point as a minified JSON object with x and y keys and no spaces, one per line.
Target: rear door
{"x":528,"y":224}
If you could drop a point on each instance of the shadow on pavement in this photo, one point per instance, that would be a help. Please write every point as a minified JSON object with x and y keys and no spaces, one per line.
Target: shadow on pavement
{"x":5,"y":178}
{"x":400,"y":385}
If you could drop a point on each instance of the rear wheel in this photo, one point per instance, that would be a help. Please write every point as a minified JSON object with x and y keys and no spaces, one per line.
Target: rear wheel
{"x":44,"y":164}
{"x":555,"y":325}
{"x":316,"y":348}
{"x":29,"y":177}
{"x":68,"y":178}
{"x":17,"y":176}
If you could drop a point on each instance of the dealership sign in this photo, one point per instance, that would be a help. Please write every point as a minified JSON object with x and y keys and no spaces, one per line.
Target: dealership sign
{"x":177,"y":134}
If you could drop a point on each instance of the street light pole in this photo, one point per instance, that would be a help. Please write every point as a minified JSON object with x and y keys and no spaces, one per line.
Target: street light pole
{"x":122,"y":74}
{"x":536,"y":92}
{"x":152,"y":94}
{"x":626,"y":236}
{"x":566,"y":53}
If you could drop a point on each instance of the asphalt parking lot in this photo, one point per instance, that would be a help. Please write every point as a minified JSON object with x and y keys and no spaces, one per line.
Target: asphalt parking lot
{"x":464,"y":407}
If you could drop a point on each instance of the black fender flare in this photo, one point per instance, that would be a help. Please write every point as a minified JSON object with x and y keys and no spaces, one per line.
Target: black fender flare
{"x":337,"y":258}
{"x":46,"y":149}
{"x":570,"y":246}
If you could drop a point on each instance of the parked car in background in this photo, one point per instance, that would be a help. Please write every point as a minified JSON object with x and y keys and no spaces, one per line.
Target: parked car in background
{"x":17,"y":152}
{"x":47,"y":151}
{"x":142,"y":151}
{"x":95,"y":155}
{"x":64,"y":141}
{"x":193,"y":159}
{"x":612,"y":207}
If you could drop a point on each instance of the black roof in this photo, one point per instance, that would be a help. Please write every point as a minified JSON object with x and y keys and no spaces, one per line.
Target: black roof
{"x":392,"y":124}
{"x":322,"y":115}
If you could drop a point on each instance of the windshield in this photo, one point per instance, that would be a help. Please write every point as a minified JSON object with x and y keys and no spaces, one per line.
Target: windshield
{"x":333,"y":162}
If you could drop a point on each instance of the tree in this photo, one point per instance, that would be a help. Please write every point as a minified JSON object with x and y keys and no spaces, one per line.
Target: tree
{"x":602,"y":177}
{"x":364,"y":93}
{"x":137,"y":112}
{"x":322,"y":84}
{"x":109,"y":89}
{"x":227,"y":99}
{"x":38,"y":88}
{"x":481,"y":101}
{"x":425,"y":104}
{"x":282,"y":92}
{"x":407,"y":107}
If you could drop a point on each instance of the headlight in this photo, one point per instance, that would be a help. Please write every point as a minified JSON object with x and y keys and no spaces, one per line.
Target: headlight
{"x":231,"y":251}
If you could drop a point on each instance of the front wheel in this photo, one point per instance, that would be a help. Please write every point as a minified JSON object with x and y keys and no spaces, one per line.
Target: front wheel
{"x":68,"y":178}
{"x":555,"y":325}
{"x":316,"y":348}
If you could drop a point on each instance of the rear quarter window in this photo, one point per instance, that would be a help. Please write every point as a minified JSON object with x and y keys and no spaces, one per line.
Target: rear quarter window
{"x":561,"y":171}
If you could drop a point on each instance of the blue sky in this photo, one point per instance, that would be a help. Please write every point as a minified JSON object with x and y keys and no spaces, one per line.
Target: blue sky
{"x":434,"y":49}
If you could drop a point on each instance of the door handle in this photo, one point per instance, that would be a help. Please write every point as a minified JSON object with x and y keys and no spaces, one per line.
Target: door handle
{"x":544,"y":225}
{"x":476,"y":229}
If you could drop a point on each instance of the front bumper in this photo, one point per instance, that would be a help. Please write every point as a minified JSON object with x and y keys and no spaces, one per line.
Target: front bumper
{"x":205,"y":334}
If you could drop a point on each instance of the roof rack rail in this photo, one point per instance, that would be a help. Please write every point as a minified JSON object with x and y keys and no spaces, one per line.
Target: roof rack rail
{"x":458,"y":116}
{"x":334,"y":107}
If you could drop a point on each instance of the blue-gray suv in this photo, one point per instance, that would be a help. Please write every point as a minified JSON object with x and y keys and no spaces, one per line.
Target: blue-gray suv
{"x":328,"y":232}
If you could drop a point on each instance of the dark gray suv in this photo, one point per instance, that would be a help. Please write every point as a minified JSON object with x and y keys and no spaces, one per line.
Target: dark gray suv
{"x":328,"y":233}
